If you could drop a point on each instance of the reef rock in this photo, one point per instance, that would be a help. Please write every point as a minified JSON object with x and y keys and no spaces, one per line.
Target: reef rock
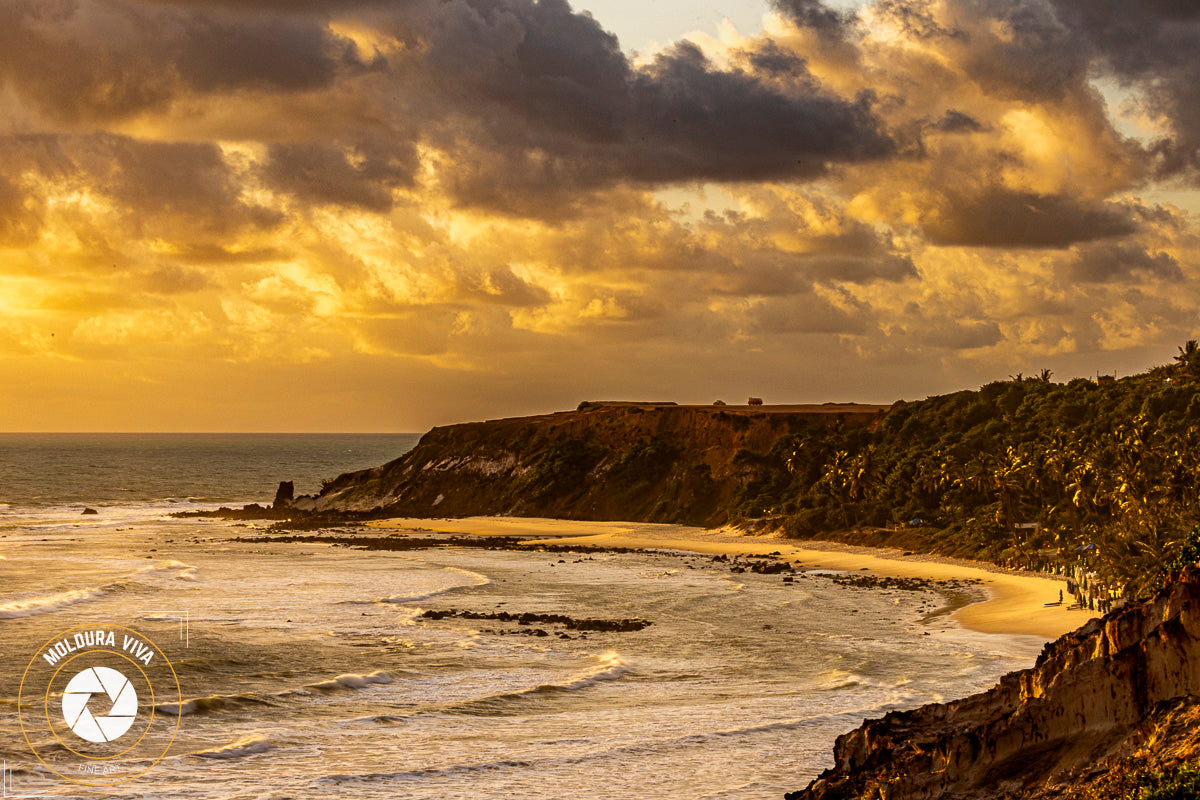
{"x":284,"y":494}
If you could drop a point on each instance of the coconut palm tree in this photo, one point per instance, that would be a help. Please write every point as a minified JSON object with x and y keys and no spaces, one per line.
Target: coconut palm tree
{"x":1189,"y":357}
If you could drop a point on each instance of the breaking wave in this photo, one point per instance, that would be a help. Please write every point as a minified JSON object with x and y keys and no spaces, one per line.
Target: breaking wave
{"x":224,"y":702}
{"x":48,"y":604}
{"x":351,"y":681}
{"x":611,"y":667}
{"x":246,"y":746}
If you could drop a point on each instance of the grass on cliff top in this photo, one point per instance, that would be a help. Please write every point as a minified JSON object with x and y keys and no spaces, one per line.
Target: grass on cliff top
{"x":1181,"y":782}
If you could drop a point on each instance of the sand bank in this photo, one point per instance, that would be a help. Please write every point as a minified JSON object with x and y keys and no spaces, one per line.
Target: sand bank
{"x":1018,"y":603}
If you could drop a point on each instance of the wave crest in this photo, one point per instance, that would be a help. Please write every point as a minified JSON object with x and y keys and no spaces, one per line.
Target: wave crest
{"x":246,"y":746}
{"x":610,"y":667}
{"x":48,"y":604}
{"x":351,"y":681}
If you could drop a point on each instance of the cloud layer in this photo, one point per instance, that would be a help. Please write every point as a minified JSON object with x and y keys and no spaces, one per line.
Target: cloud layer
{"x":492,"y":199}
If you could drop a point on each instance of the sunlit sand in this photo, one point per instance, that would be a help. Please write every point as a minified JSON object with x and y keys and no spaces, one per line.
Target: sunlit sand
{"x":1020,"y":603}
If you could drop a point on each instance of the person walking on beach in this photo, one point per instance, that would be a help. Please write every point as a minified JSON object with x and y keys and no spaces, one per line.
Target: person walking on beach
{"x":1060,"y":597}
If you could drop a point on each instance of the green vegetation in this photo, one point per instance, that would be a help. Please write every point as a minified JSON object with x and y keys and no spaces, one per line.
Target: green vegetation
{"x":1180,"y":783}
{"x":1108,"y":471}
{"x":1137,"y":781}
{"x":559,"y":470}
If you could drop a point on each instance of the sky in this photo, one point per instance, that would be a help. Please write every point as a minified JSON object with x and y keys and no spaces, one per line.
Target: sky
{"x":383,"y":215}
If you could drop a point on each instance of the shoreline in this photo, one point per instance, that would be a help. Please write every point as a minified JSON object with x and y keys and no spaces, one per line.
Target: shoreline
{"x":1019,"y":603}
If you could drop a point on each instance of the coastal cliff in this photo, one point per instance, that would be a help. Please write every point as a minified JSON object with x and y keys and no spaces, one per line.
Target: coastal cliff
{"x":652,"y":462}
{"x":1118,"y":695}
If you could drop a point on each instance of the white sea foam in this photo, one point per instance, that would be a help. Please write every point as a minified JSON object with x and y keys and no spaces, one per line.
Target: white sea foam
{"x":220,"y":702}
{"x":32,"y":606}
{"x":246,"y":746}
{"x":610,"y":668}
{"x":182,"y":571}
{"x":57,"y":601}
{"x":352,"y":681}
{"x":412,"y":598}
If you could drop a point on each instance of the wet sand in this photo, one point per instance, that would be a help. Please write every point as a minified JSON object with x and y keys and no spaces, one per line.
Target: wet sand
{"x":1021,"y":603}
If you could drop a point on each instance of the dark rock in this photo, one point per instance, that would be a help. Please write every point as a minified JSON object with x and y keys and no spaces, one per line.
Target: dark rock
{"x":528,"y":618}
{"x":90,"y":511}
{"x":284,"y":494}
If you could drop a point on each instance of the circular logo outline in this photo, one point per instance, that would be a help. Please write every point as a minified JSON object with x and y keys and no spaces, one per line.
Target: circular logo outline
{"x":50,"y":724}
{"x":21,"y":692}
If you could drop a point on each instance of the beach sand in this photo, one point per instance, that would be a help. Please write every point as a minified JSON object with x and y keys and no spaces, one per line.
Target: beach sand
{"x":1022,"y":603}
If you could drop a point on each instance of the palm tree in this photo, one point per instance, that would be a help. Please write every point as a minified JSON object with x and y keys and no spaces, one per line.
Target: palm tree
{"x":1189,"y":356}
{"x":863,"y":476}
{"x":836,"y":481}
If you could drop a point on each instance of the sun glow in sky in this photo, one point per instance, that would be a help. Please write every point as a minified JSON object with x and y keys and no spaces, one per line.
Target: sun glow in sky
{"x":380,"y":215}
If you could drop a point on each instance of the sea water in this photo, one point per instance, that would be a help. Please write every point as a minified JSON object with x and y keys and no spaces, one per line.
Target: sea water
{"x":307,"y":670}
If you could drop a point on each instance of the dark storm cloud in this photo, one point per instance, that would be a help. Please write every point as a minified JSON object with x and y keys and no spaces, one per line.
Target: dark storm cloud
{"x":698,"y":122}
{"x":951,"y":334}
{"x":553,"y":101}
{"x":171,"y":190}
{"x":1151,"y":46}
{"x":814,"y":14}
{"x":363,"y":175}
{"x":93,"y":60}
{"x":807,"y":313}
{"x":1032,"y":55}
{"x":957,"y":122}
{"x":533,"y":101}
{"x":189,"y":183}
{"x":915,"y":18}
{"x":160,"y":187}
{"x":277,"y":53}
{"x":501,"y":286}
{"x":857,"y":255}
{"x":292,"y":6}
{"x":998,"y":217}
{"x":1111,"y":262}
{"x":773,"y":60}
{"x":848,"y":268}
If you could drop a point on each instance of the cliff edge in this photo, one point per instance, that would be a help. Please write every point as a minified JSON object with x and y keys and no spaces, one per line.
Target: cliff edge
{"x":1121,"y":692}
{"x":649,"y":462}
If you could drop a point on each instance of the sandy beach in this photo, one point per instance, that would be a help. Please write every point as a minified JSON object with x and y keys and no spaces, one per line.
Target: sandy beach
{"x":1020,"y":603}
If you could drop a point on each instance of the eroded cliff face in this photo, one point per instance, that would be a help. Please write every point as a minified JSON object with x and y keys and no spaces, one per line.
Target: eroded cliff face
{"x":1123,"y":689}
{"x":638,"y":462}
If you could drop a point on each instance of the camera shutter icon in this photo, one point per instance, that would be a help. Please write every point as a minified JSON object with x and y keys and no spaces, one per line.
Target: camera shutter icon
{"x":99,"y":681}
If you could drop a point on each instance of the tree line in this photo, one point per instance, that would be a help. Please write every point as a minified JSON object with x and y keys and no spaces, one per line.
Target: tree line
{"x":1024,"y":471}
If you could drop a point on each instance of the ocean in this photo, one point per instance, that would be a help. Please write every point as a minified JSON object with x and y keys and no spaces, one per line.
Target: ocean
{"x":265,"y":669}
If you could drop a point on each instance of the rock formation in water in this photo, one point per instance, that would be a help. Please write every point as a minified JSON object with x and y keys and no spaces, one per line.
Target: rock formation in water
{"x":1120,"y":691}
{"x":651,"y":462}
{"x":284,"y":494}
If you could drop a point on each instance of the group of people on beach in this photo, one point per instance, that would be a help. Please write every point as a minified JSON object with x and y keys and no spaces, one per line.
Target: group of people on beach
{"x":1090,"y":597}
